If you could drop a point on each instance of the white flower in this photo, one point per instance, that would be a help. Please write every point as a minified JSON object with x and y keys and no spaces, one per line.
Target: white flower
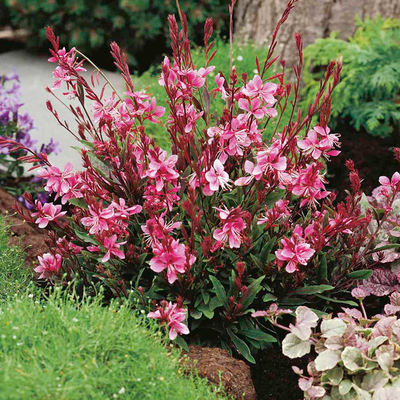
{"x":239,"y":58}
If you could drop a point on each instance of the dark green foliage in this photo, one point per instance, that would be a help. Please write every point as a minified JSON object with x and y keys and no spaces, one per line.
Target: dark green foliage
{"x":369,"y":91}
{"x":138,"y":26}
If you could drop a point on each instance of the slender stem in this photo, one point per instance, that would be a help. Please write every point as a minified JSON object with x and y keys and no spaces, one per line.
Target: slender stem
{"x":99,"y":70}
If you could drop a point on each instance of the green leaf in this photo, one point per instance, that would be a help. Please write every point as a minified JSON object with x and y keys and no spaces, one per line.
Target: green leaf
{"x":348,"y":302}
{"x":181,"y":343}
{"x":241,"y":347}
{"x":219,"y":290}
{"x":381,"y":248}
{"x":258,"y":334}
{"x":86,"y":238}
{"x":257,"y":262}
{"x":78,"y":203}
{"x":196,"y":314}
{"x":266,"y":250}
{"x":251,"y":292}
{"x":214,"y":303}
{"x":206,"y":311}
{"x":361,"y":274}
{"x":323,"y":268}
{"x":313,"y":289}
{"x":269,"y":297}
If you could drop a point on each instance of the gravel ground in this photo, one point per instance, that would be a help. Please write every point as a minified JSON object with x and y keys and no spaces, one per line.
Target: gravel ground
{"x":35,"y":73}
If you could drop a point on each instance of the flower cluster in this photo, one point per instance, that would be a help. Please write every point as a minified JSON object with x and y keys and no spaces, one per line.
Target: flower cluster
{"x":219,"y":220}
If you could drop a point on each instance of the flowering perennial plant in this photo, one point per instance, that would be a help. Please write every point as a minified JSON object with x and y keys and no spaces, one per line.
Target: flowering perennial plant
{"x":224,"y":219}
{"x":17,"y":126}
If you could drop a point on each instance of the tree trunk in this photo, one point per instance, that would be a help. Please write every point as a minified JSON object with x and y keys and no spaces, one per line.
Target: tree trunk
{"x":313,"y":19}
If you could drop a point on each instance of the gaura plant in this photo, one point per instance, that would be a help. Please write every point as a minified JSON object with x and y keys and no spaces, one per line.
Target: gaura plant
{"x":226,"y":220}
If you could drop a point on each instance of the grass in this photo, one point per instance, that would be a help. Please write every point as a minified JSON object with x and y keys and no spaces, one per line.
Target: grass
{"x":14,"y":276}
{"x":64,"y":348}
{"x":61,"y":349}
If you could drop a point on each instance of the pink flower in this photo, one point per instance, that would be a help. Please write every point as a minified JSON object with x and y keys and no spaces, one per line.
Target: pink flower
{"x":155,"y":229}
{"x":253,"y":107}
{"x":245,"y":180}
{"x":171,"y":256}
{"x":98,"y":221}
{"x":256,"y":87}
{"x":48,"y":265}
{"x":173,"y":316}
{"x":295,"y":250}
{"x":46,"y":213}
{"x":319,"y":142}
{"x":232,"y":227}
{"x":269,"y":159}
{"x":57,"y":181}
{"x":113,"y":248}
{"x":309,"y":184}
{"x":122,"y":211}
{"x":103,"y":110}
{"x":311,"y":144}
{"x":154,"y":112}
{"x":162,"y":169}
{"x":216,"y":177}
{"x":390,"y":183}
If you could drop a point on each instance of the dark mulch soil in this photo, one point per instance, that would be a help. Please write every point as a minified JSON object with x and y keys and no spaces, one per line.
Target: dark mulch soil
{"x":30,"y":239}
{"x":273,"y":377}
{"x":372,"y":156}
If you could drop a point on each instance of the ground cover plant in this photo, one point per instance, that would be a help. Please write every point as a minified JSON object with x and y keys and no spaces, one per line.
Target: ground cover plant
{"x":368,"y":94}
{"x":357,"y":355}
{"x":14,"y":276}
{"x":235,"y":216}
{"x":17,"y":126}
{"x":63,"y":347}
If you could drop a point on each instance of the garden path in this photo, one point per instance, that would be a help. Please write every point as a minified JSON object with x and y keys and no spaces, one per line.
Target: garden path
{"x":35,"y":73}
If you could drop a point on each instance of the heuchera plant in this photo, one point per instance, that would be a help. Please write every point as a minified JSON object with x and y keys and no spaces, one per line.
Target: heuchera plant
{"x":225,"y":220}
{"x":17,"y":126}
{"x":357,"y":357}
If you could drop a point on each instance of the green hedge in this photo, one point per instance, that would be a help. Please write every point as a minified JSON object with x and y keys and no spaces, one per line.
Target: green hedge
{"x":139,"y":26}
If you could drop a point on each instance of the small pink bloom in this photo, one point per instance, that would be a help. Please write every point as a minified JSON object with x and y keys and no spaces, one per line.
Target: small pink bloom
{"x":256,"y":87}
{"x":48,"y":265}
{"x":173,"y":316}
{"x":216,"y":177}
{"x":57,"y":181}
{"x":173,"y":257}
{"x":393,"y":183}
{"x":162,"y":169}
{"x":47,"y":212}
{"x":232,"y":227}
{"x":253,"y":107}
{"x":113,"y":248}
{"x":98,"y":221}
{"x":295,"y":250}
